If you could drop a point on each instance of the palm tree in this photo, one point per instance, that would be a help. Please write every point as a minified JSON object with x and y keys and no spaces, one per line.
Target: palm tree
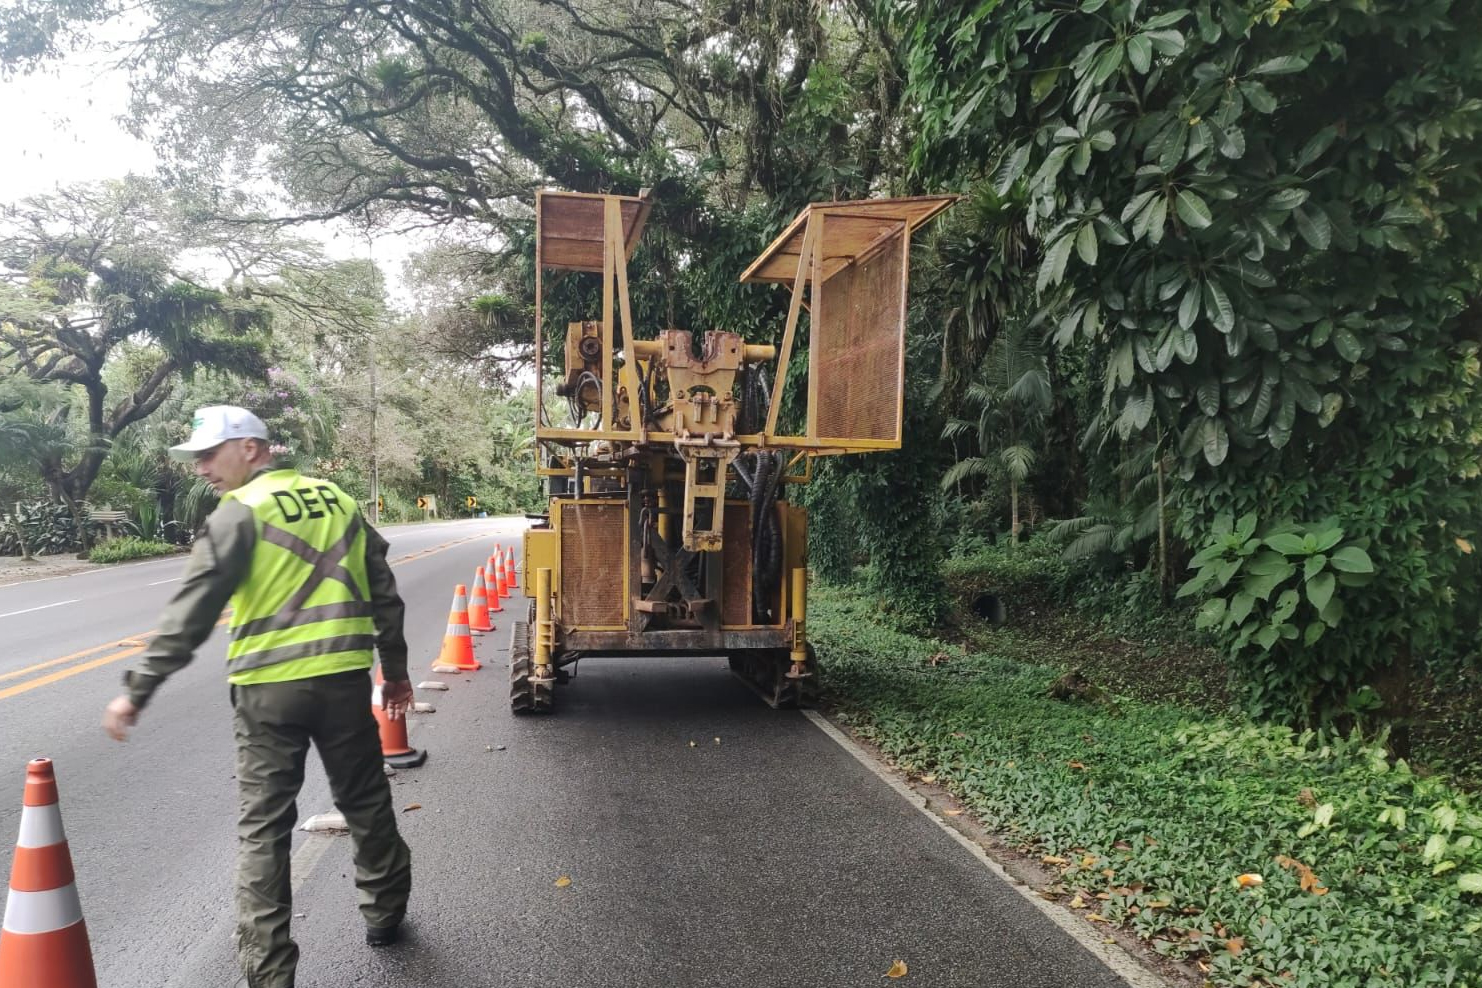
{"x":1011,"y":396}
{"x":986,"y":249}
{"x":1120,"y":525}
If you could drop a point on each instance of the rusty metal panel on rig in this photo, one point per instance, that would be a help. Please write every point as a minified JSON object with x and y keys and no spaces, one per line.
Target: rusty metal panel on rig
{"x":593,"y":588}
{"x":858,"y":335}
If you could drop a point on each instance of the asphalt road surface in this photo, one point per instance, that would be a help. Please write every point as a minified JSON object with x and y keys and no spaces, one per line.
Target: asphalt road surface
{"x":707,"y":839}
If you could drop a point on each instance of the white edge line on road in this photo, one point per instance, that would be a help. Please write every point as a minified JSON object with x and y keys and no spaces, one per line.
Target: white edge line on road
{"x":160,"y":583}
{"x":43,"y":607}
{"x":301,"y":865}
{"x":1112,"y":955}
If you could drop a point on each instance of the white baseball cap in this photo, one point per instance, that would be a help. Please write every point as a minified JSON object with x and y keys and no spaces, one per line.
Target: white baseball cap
{"x":214,"y":425}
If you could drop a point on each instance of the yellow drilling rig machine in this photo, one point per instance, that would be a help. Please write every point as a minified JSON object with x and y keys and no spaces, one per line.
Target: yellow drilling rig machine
{"x":669,"y":530}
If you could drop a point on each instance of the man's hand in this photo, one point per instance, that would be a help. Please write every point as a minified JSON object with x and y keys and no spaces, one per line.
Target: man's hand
{"x":396,"y":697}
{"x":121,"y":714}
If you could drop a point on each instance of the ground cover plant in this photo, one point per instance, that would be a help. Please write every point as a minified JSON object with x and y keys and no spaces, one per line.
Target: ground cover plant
{"x":1265,"y":855}
{"x":129,"y":547}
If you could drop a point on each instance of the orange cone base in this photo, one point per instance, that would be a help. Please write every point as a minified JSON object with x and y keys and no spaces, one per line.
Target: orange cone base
{"x":480,"y":624}
{"x":395,"y":751}
{"x":411,"y":758}
{"x":464,"y":662}
{"x":61,"y":958}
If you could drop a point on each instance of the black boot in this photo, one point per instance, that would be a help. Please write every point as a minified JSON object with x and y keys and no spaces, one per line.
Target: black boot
{"x":382,"y":936}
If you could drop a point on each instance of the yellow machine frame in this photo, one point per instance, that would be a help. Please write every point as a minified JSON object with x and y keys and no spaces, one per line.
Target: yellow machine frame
{"x":644,"y":551}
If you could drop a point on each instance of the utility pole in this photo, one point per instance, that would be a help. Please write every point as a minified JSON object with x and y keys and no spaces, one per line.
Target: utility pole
{"x":375,"y":472}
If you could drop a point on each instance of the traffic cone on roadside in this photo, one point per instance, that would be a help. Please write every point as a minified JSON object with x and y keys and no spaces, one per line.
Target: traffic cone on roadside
{"x":457,"y":653}
{"x":478,"y":605}
{"x":43,"y":940}
{"x":396,"y":750}
{"x":492,"y":571}
{"x":500,"y":585}
{"x":510,"y":579}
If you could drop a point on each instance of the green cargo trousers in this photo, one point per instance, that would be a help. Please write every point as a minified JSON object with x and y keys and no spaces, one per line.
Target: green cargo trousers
{"x":275,"y":722}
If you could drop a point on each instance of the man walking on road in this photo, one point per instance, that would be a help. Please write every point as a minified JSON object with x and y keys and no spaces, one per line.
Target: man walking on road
{"x":311,"y":594}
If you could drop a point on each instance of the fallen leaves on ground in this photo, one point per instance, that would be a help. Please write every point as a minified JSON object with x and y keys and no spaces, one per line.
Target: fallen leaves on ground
{"x":411,"y":806}
{"x":897,"y":970}
{"x":1249,"y":880}
{"x":562,"y":882}
{"x":952,"y":812}
{"x":1305,"y":875}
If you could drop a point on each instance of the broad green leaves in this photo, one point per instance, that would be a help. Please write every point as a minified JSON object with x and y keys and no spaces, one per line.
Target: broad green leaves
{"x":1193,"y":210}
{"x":1276,"y":593}
{"x":1281,"y":65}
{"x":1085,"y":243}
{"x":1052,"y":269}
{"x":1217,"y":305}
{"x":1284,"y":290}
{"x":1352,"y":559}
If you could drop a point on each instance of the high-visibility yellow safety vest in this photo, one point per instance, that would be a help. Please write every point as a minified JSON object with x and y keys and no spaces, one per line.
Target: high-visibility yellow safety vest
{"x":304,"y":609}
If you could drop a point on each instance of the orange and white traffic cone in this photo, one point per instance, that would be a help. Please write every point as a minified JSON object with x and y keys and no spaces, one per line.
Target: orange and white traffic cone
{"x":43,"y":940}
{"x":478,"y":605}
{"x":396,"y":750}
{"x":490,"y":571}
{"x":457,"y":653}
{"x":500,"y":586}
{"x":510,"y":579}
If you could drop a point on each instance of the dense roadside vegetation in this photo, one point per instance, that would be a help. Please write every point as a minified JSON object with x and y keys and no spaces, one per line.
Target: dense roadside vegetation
{"x":1265,"y":855}
{"x":1192,"y":385}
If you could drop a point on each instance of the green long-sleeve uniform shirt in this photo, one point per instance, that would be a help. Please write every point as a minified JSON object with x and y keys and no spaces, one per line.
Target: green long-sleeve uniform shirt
{"x":220,"y":559}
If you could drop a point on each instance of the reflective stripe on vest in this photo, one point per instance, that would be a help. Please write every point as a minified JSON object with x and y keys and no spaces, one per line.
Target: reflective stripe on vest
{"x":304,"y":608}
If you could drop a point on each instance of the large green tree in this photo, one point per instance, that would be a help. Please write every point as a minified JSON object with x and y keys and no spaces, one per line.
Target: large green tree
{"x":90,"y":272}
{"x":1261,"y":221}
{"x":457,"y":109}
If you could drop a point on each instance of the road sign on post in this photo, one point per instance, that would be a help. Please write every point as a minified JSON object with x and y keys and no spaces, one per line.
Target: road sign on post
{"x":422,"y":503}
{"x":471,"y":501}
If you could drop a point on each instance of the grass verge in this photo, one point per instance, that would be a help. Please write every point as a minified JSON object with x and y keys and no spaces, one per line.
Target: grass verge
{"x":1370,"y":876}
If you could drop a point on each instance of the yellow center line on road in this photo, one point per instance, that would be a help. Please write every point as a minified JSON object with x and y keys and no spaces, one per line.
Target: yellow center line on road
{"x":120,"y":643}
{"x":68,"y":672}
{"x":132,"y":645}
